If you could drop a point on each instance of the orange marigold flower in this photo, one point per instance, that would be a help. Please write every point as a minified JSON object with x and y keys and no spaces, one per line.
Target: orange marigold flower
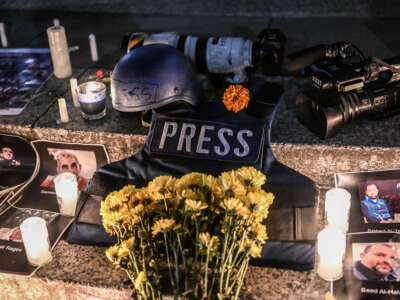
{"x":236,"y":97}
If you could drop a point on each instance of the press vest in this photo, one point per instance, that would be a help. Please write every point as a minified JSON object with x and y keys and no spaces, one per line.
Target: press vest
{"x":215,"y":140}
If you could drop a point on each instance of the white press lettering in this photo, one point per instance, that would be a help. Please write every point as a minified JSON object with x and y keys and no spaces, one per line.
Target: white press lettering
{"x":246,"y":148}
{"x":203,"y":138}
{"x":222,"y":139}
{"x":187,"y":137}
{"x":165,"y":133}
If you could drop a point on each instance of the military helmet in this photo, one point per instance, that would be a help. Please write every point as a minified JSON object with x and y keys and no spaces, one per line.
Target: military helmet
{"x":153,"y":76}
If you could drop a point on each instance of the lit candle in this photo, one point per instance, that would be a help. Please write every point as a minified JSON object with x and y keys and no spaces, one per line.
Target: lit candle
{"x":92,"y":99}
{"x":3,"y":36}
{"x":331,"y":246}
{"x":56,"y":22}
{"x":36,"y":241}
{"x":93,"y":47}
{"x":67,"y":192}
{"x":337,"y":206}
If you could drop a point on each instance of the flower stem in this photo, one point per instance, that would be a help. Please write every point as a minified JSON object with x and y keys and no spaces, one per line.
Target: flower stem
{"x":168,"y":260}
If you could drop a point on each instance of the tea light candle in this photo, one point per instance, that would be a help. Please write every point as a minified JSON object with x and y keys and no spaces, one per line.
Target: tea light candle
{"x":331,"y":246}
{"x":67,"y":192}
{"x":3,"y":36}
{"x":93,"y":47}
{"x":337,"y":206}
{"x":36,"y":241}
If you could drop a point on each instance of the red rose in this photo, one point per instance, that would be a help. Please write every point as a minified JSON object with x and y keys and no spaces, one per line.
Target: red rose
{"x":99,"y":73}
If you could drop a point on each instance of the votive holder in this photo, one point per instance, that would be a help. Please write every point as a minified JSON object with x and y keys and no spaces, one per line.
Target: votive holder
{"x":92,"y":99}
{"x":36,"y":241}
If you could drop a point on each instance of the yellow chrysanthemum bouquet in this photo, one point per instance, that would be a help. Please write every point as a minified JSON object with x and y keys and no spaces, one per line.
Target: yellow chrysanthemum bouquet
{"x":197,"y":232}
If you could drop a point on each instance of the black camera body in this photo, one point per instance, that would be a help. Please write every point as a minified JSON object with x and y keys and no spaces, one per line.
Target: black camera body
{"x":342,"y":90}
{"x":325,"y":111}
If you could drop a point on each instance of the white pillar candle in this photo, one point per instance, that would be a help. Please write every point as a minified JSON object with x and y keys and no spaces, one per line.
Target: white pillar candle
{"x":62,"y":106}
{"x":3,"y":36}
{"x":331,"y":246}
{"x":337,"y":206}
{"x":59,"y":51}
{"x":93,"y":47}
{"x":36,"y":241}
{"x":67,"y":192}
{"x":56,"y":22}
{"x":74,"y":93}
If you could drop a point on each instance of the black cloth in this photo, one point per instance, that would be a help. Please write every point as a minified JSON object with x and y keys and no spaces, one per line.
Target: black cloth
{"x":291,"y":224}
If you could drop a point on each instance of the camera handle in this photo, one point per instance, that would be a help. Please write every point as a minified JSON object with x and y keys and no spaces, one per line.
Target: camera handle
{"x":309,"y":56}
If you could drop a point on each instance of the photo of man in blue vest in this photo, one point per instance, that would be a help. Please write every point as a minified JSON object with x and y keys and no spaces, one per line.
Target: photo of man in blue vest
{"x":375,"y":209}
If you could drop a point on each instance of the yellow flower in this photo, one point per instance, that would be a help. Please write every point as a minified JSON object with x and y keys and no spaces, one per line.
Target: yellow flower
{"x":259,"y":203}
{"x":243,"y":212}
{"x":140,"y":280}
{"x":163,"y":225}
{"x":112,"y":253}
{"x":138,"y":209}
{"x":259,"y":231}
{"x":204,"y":238}
{"x":144,"y":197}
{"x":162,"y":183}
{"x":251,"y":176}
{"x":191,"y":180}
{"x":112,"y":201}
{"x":191,"y":186}
{"x":209,"y":242}
{"x":232,"y":205}
{"x":122,"y":252}
{"x":255,"y":250}
{"x":231,"y":186}
{"x":128,"y":190}
{"x":128,"y":244}
{"x":194,"y":206}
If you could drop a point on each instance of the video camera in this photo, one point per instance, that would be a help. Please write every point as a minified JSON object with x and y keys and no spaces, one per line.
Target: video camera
{"x":345,"y":86}
{"x":233,"y":56}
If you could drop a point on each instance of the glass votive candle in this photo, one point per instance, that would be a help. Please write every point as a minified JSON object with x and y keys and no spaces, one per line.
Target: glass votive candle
{"x":36,"y":241}
{"x":92,"y":99}
{"x":66,"y":186}
{"x":337,"y":206}
{"x":331,"y":247}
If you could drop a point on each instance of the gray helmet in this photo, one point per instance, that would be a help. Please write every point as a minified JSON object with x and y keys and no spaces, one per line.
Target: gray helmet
{"x":153,"y":76}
